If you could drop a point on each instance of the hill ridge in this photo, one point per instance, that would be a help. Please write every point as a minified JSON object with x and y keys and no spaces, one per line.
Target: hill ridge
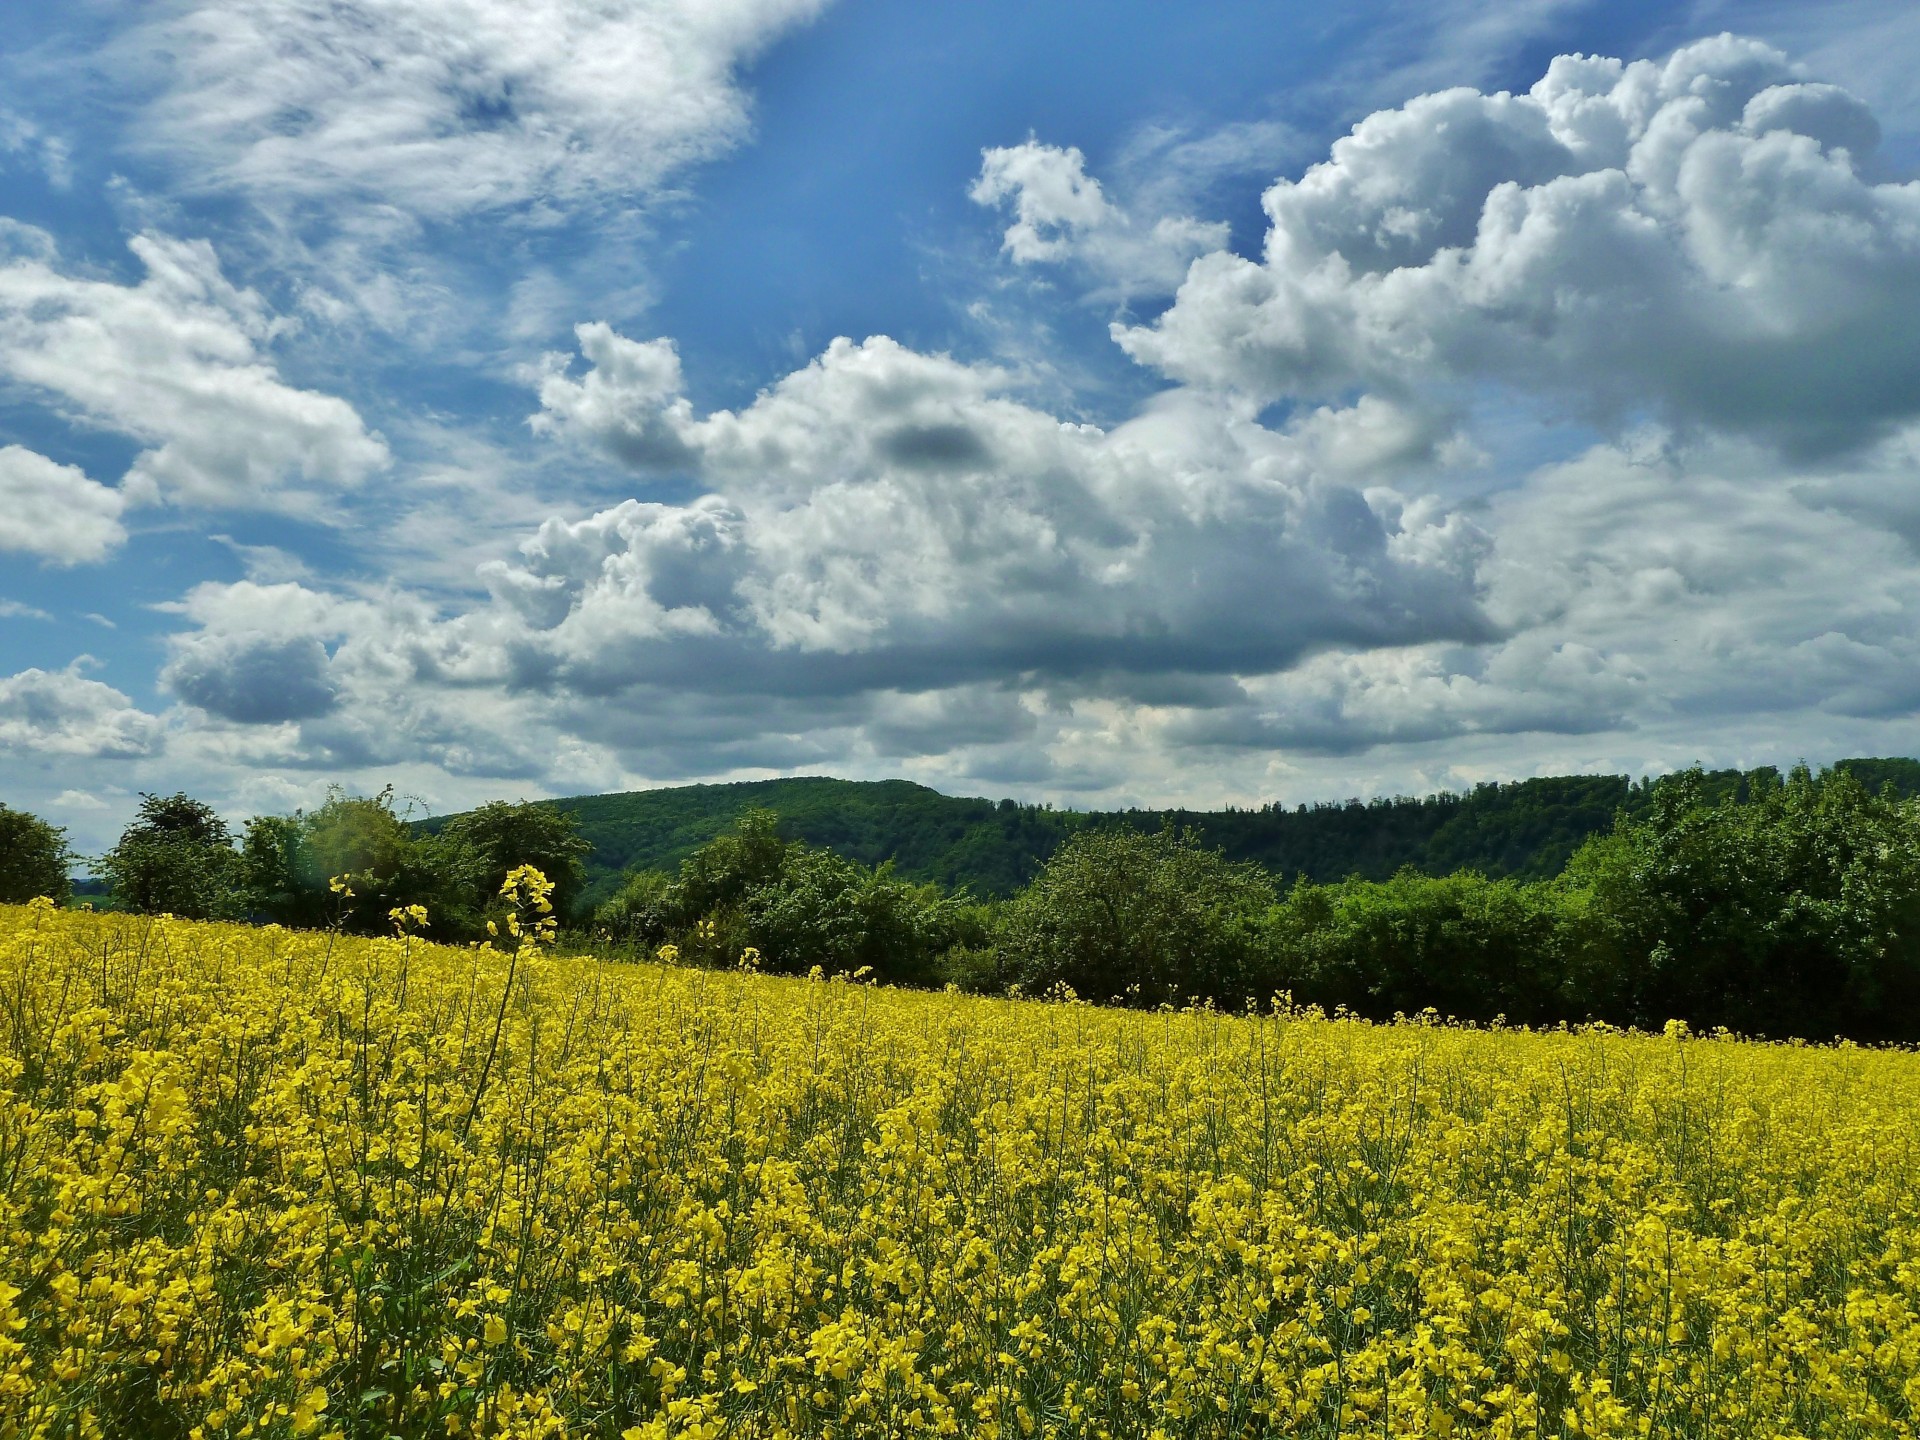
{"x":1520,"y":828}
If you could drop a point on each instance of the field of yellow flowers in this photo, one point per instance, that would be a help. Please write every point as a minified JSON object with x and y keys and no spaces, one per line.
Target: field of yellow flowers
{"x":260,"y":1183}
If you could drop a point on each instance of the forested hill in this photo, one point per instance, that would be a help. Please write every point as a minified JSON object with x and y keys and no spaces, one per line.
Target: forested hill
{"x":1524,"y":828}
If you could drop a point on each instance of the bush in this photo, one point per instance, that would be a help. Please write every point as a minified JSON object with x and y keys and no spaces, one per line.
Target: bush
{"x":1794,"y":913}
{"x":289,"y":861}
{"x":1119,"y":913}
{"x":798,"y":906}
{"x":34,"y":859}
{"x":176,"y":858}
{"x":1464,"y":945}
{"x":639,"y":912}
{"x":499,"y":837}
{"x":841,"y":916}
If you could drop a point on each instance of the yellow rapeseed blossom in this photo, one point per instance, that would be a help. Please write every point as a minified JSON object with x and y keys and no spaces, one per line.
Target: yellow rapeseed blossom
{"x":255,"y":1183}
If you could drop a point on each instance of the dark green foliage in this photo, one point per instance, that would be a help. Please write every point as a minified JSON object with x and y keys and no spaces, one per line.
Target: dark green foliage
{"x":1526,"y":829}
{"x":984,"y":847}
{"x":638,"y":913}
{"x":1876,"y":775}
{"x":34,"y":859}
{"x":1118,"y":913}
{"x":176,"y":858}
{"x":797,"y":905}
{"x":288,"y":864}
{"x":832,"y":913}
{"x":1779,"y":907}
{"x":1469,"y":947}
{"x":498,"y":837}
{"x":721,"y":873}
{"x":1795,"y":911}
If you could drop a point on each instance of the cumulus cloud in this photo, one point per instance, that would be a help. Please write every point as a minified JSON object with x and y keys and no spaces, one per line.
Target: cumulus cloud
{"x":894,"y":564}
{"x":1062,"y":213}
{"x":253,"y":679}
{"x":62,"y":712}
{"x":441,"y":109}
{"x":884,"y":517}
{"x":54,"y":511}
{"x":177,"y":363}
{"x":1686,"y":589}
{"x":1693,"y":238}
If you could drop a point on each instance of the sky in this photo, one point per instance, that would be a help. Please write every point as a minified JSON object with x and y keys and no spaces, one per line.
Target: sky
{"x":1098,"y":405}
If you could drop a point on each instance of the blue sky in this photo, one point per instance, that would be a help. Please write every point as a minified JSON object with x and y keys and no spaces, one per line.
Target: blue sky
{"x":1101,"y":404}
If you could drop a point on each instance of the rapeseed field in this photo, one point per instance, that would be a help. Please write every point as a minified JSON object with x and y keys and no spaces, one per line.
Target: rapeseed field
{"x":264,"y":1183}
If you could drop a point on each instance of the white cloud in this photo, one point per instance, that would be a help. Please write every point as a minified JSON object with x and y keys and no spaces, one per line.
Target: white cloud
{"x":62,"y":712}
{"x":47,"y":153}
{"x":438,"y":108}
{"x":1062,"y":213}
{"x":894,"y":561}
{"x":176,"y":362}
{"x":1692,"y":237}
{"x":1677,"y":590}
{"x":899,"y":512}
{"x":54,"y":511}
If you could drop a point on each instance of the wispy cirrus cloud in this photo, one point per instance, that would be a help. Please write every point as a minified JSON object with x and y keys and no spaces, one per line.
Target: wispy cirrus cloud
{"x":440,"y":108}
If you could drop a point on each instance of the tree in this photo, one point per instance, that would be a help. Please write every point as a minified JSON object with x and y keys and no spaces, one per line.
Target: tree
{"x":842,"y":916}
{"x":290,"y":861}
{"x":177,"y":858}
{"x":499,"y":837}
{"x":1462,"y":944}
{"x":797,"y":905}
{"x":34,"y":858}
{"x":1119,"y":912}
{"x":640,"y":911}
{"x":719,"y":874}
{"x":279,"y":877}
{"x":1796,"y":912}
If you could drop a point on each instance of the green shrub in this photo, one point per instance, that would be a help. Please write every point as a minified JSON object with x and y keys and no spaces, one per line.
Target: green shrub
{"x":34,"y":859}
{"x":1464,"y":945}
{"x":1151,"y":917}
{"x":176,"y":858}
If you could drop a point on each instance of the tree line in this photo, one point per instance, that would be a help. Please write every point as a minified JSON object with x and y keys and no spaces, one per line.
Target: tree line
{"x":347,"y":863}
{"x":1779,"y":905}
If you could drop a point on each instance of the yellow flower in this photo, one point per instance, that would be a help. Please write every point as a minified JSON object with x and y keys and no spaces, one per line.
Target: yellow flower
{"x":254,"y":1166}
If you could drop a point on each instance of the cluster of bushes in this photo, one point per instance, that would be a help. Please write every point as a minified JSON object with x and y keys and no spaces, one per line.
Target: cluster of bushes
{"x":794,"y":906}
{"x":1783,"y":906}
{"x":1780,"y":905}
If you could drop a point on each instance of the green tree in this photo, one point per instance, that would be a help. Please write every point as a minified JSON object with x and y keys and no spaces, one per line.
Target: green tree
{"x":797,"y":905}
{"x":641,"y":911}
{"x":1469,"y":947}
{"x":1148,"y":916}
{"x":34,"y":859}
{"x":719,"y":874}
{"x":841,"y":916}
{"x":1795,"y":912}
{"x":499,"y":837}
{"x":288,"y":862}
{"x":177,"y":858}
